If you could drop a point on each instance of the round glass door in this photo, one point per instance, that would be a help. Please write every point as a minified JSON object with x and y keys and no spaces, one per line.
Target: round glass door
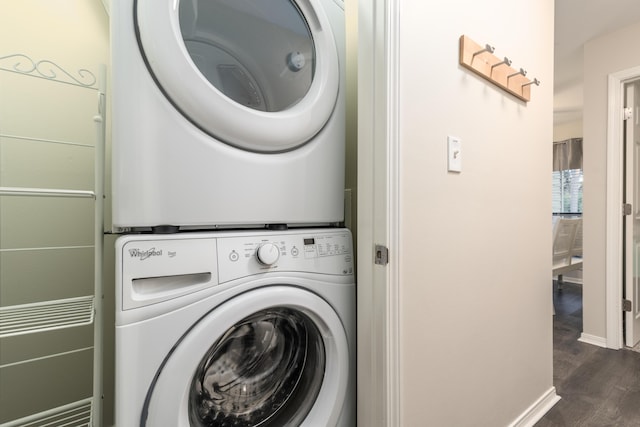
{"x":265,"y":371}
{"x":261,"y":75}
{"x":239,"y":47}
{"x":270,"y":357}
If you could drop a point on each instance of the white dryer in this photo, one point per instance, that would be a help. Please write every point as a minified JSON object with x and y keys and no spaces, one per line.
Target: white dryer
{"x":227,"y":112}
{"x":235,"y":329}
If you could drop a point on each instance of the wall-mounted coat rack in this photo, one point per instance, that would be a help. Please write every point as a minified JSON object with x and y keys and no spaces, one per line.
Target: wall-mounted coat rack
{"x":480,"y":60}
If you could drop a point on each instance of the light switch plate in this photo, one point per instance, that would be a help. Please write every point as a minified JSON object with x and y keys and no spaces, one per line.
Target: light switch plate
{"x":454,"y":145}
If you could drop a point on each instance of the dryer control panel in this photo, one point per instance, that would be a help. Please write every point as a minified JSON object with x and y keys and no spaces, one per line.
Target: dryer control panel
{"x":319,"y":252}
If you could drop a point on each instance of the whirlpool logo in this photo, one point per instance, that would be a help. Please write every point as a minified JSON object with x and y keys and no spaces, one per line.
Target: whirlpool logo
{"x":142,"y":255}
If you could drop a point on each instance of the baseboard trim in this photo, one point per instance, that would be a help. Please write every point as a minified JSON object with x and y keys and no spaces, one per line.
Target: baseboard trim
{"x":535,"y":412}
{"x":593,"y":340}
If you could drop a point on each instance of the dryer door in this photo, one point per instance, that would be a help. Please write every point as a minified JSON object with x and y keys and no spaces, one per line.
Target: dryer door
{"x":261,"y":75}
{"x":274,"y":356}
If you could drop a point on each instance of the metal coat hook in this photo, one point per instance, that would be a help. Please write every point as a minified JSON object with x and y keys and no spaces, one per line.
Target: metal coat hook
{"x":521,"y":72}
{"x":505,"y":61}
{"x":487,"y":48}
{"x":532,"y":82}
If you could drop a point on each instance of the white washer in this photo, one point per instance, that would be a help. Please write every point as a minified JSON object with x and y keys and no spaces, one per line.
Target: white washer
{"x":227,"y":112}
{"x":235,"y":328}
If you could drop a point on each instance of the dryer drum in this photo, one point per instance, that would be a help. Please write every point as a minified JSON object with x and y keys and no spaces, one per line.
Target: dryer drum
{"x":266,"y":370}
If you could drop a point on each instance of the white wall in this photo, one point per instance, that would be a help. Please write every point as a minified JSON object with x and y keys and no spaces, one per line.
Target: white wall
{"x":567,"y":130}
{"x":476,"y":312}
{"x":602,"y":56}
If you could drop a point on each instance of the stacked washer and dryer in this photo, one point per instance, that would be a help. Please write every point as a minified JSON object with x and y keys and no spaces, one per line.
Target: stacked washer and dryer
{"x":235,"y":293}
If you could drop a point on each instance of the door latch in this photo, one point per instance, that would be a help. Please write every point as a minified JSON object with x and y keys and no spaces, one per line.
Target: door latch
{"x":381,"y":255}
{"x":627,"y":209}
{"x":626,"y":305}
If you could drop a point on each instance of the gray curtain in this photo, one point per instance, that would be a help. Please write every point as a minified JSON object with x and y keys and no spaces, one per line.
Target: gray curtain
{"x":567,"y":154}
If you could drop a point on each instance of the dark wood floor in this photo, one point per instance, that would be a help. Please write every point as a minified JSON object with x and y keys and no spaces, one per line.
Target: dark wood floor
{"x":598,"y":387}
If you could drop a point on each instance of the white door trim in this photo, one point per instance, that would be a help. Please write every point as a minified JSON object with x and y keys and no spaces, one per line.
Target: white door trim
{"x":614,"y":220}
{"x":394,"y":216}
{"x":379,"y":346}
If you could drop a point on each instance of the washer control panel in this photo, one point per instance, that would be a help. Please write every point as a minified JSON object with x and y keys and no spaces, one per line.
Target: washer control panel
{"x":316,"y":251}
{"x":156,"y":268}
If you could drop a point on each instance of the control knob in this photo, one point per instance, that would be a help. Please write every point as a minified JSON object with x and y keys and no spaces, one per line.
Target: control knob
{"x":268,"y":254}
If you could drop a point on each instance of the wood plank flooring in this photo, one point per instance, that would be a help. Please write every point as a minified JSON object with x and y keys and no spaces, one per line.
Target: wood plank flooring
{"x":598,"y":387}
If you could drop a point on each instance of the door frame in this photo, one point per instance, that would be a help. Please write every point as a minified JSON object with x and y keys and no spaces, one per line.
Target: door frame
{"x":614,"y":219}
{"x":631,"y":328}
{"x":379,"y":346}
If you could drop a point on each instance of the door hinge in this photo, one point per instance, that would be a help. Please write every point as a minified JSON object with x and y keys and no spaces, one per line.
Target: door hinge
{"x":626,"y":305}
{"x":627,"y":209}
{"x":381,"y":255}
{"x":627,"y":113}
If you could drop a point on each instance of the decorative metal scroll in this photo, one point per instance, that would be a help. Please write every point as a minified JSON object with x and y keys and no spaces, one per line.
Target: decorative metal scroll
{"x":48,"y":70}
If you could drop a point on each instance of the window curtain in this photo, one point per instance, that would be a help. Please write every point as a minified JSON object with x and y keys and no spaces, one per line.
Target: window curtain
{"x":567,"y":154}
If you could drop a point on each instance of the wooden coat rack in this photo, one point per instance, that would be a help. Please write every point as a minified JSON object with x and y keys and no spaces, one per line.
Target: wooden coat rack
{"x":480,"y":60}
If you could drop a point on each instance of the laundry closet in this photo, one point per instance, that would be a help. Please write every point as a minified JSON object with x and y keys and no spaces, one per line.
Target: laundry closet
{"x":268,"y":201}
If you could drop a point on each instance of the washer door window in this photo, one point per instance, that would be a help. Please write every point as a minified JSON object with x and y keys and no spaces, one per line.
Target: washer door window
{"x":285,"y":363}
{"x":266,"y":370}
{"x":261,"y":75}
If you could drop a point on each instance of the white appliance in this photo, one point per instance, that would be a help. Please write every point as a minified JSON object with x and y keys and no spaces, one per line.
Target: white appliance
{"x":227,"y":112}
{"x":235,"y":328}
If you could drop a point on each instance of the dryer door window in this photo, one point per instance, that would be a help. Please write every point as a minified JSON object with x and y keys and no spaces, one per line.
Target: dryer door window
{"x":261,"y":75}
{"x":272,"y":356}
{"x":260,"y":53}
{"x":266,"y":370}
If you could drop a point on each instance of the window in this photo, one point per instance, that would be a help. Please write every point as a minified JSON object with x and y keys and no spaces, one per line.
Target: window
{"x":567,"y":191}
{"x":567,"y":176}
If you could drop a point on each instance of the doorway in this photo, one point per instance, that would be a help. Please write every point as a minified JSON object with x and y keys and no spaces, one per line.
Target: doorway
{"x":631,"y":223}
{"x":616,"y":245}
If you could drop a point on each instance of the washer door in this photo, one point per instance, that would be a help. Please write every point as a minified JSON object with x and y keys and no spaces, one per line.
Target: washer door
{"x":261,"y":75}
{"x":274,"y":356}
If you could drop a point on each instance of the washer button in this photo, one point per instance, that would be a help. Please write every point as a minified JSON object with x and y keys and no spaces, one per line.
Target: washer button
{"x":234,"y":256}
